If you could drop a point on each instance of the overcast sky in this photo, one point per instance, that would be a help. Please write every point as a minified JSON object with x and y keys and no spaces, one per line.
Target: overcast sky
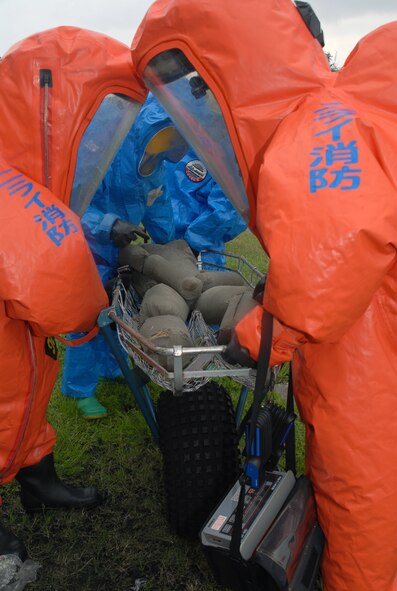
{"x":344,"y":21}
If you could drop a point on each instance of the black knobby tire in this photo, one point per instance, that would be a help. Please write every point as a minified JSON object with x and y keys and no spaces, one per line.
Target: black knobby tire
{"x":199,"y":442}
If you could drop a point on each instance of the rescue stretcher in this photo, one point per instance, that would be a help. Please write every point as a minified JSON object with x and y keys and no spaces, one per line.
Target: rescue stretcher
{"x":197,"y":426}
{"x":120,"y":323}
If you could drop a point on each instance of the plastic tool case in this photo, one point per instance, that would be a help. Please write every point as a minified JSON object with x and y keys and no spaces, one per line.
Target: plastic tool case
{"x":287,"y":557}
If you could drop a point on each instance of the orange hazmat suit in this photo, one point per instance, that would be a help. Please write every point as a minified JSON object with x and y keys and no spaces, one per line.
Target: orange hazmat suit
{"x":314,"y":155}
{"x":52,"y":85}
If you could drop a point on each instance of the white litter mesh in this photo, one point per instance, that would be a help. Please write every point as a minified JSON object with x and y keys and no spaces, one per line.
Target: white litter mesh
{"x":126,"y":306}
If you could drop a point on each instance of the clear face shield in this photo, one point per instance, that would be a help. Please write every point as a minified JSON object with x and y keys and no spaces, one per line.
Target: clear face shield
{"x":196,"y":112}
{"x":166,"y":144}
{"x":99,"y":144}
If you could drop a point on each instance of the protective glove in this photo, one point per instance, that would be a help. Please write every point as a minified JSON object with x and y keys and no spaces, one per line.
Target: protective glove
{"x":259,"y":290}
{"x":236,"y":354}
{"x":110,"y":285}
{"x":122,"y":233}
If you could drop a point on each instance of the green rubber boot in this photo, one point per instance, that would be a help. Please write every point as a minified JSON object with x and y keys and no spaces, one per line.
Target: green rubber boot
{"x":90,"y":408}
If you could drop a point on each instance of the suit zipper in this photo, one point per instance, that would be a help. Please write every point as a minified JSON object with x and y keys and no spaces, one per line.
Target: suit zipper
{"x":45,"y":118}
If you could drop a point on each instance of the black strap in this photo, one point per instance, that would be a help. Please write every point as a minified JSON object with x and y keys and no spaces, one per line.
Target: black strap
{"x":269,"y":385}
{"x":259,"y":396}
{"x":290,"y":461}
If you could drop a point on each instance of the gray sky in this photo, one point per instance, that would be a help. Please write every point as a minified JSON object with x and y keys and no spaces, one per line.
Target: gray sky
{"x":344,"y":21}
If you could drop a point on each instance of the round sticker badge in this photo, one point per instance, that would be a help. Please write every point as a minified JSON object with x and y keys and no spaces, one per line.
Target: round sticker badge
{"x":195,"y":171}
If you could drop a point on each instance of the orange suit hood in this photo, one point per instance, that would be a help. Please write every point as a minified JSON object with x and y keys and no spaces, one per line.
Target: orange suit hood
{"x":258,"y":73}
{"x":85,"y":66}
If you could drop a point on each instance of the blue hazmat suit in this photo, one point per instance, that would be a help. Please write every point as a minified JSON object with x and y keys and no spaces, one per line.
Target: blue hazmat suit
{"x":123,"y":194}
{"x":203,"y":215}
{"x":178,"y":200}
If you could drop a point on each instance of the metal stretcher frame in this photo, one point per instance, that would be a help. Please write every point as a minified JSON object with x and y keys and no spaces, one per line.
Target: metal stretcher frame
{"x":137,"y":380}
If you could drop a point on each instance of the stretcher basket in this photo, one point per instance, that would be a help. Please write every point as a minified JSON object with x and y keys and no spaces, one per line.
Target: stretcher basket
{"x":206,"y":361}
{"x":193,"y":418}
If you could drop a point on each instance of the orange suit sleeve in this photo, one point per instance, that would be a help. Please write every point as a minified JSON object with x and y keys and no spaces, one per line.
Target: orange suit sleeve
{"x":327,"y":216}
{"x":48,"y":275}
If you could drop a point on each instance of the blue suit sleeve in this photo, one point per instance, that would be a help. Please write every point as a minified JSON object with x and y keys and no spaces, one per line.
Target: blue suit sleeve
{"x":159,"y":221}
{"x":217,"y":224}
{"x":98,"y":225}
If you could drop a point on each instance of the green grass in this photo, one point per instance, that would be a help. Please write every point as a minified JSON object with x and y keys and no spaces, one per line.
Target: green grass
{"x":128,"y":536}
{"x":247,"y":246}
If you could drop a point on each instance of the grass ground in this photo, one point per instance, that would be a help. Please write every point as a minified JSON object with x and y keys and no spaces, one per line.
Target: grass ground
{"x":128,"y":537}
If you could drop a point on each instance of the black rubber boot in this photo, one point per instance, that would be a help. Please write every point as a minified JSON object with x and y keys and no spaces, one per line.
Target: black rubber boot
{"x":41,"y":487}
{"x":10,"y":544}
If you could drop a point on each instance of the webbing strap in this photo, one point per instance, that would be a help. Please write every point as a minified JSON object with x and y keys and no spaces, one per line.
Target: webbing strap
{"x":290,"y":457}
{"x":81,"y":340}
